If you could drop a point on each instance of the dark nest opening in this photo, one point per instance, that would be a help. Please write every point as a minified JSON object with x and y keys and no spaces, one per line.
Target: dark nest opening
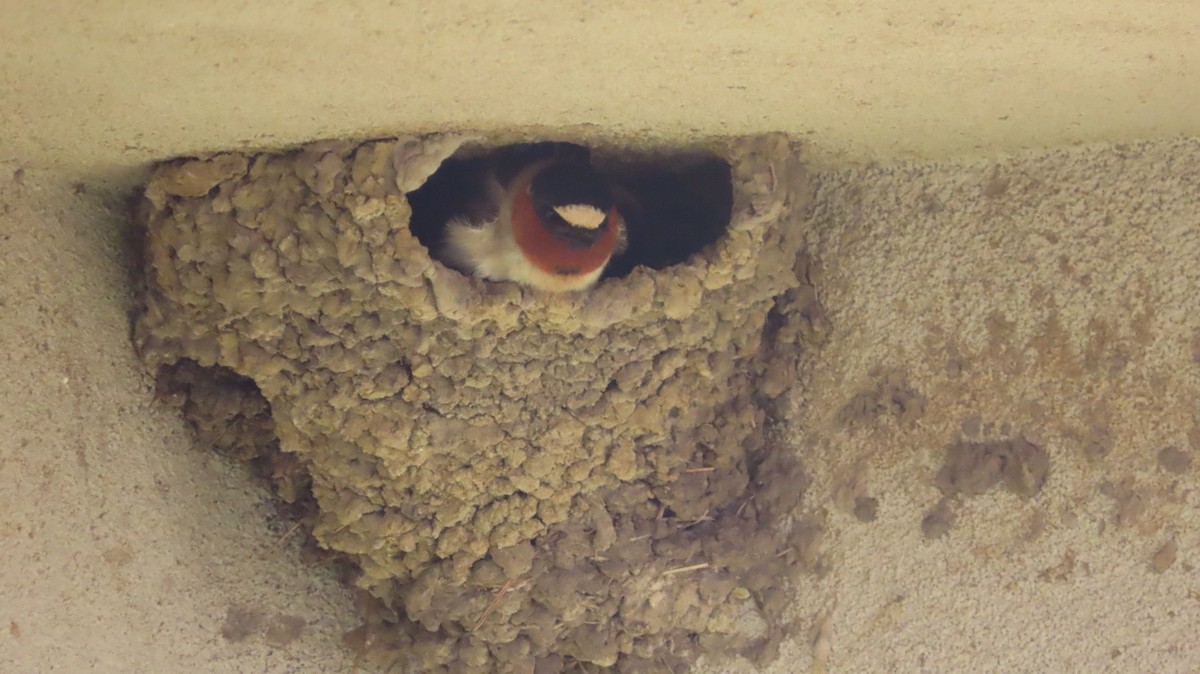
{"x":682,"y":200}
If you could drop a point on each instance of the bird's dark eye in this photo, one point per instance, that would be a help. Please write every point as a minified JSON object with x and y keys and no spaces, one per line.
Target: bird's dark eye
{"x":548,"y":217}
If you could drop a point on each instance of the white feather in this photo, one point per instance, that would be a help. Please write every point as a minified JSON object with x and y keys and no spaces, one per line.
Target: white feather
{"x":488,"y":251}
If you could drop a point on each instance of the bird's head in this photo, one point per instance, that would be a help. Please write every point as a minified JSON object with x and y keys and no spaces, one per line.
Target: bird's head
{"x":565,"y":221}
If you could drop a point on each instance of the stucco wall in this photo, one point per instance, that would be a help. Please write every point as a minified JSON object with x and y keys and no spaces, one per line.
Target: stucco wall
{"x":975,"y":283}
{"x":111,"y":85}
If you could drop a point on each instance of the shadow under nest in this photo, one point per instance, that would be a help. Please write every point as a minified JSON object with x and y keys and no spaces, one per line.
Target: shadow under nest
{"x":515,"y":482}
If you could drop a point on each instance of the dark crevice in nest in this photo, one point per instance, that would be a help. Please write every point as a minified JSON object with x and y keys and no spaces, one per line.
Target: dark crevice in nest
{"x":683,"y":201}
{"x":227,"y":414}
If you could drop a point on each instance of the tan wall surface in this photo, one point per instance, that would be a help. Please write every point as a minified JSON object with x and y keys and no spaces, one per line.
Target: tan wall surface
{"x":110,"y":84}
{"x":984,"y":286}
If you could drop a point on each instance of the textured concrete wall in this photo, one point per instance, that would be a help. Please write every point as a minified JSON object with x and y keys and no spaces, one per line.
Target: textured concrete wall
{"x":967,"y":300}
{"x":111,"y":85}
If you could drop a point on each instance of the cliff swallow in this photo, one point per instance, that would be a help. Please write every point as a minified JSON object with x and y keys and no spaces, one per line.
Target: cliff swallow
{"x":543,"y":217}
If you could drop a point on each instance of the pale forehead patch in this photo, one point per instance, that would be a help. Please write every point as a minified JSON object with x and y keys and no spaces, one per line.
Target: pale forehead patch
{"x":581,"y":215}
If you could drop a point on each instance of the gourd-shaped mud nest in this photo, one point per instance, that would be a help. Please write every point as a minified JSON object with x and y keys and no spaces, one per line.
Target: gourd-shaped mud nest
{"x":521,"y":481}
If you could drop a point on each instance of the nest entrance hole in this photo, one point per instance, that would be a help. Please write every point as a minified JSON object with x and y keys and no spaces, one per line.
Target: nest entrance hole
{"x":684,"y":198}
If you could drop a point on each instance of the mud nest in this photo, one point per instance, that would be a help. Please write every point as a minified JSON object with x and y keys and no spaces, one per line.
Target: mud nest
{"x":523,"y":482}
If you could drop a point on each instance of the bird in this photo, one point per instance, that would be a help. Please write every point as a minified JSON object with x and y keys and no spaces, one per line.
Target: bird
{"x":540,"y":215}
